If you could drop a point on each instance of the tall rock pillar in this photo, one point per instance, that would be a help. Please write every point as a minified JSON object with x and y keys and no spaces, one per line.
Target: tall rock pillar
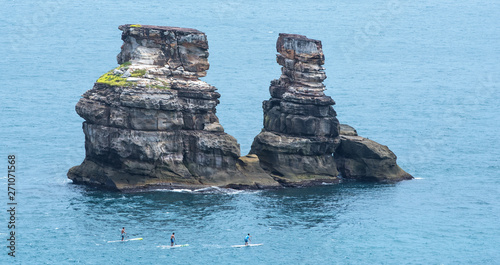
{"x":151,"y":122}
{"x":301,"y":131}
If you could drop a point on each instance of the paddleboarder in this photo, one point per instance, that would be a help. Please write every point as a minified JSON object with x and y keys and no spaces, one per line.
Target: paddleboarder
{"x":247,"y":239}
{"x":123,"y":233}
{"x":172,"y":239}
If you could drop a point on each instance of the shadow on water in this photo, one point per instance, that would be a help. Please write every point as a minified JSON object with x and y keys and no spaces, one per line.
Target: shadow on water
{"x":154,"y":207}
{"x":313,"y":206}
{"x":278,"y":209}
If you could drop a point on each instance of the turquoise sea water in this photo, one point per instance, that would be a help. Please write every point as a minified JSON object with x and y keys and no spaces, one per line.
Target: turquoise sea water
{"x":419,"y":76}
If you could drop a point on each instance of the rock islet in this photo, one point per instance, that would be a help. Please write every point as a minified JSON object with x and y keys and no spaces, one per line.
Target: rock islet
{"x":151,"y":123}
{"x":301,"y":130}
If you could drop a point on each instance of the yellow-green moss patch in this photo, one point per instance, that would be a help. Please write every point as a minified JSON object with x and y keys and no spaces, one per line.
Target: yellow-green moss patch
{"x":113,"y":80}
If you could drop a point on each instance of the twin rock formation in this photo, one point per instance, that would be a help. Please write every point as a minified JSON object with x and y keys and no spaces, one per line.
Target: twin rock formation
{"x":151,"y":123}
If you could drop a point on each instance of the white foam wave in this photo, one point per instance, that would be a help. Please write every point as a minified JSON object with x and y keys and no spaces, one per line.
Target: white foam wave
{"x":180,"y":190}
{"x":208,"y":190}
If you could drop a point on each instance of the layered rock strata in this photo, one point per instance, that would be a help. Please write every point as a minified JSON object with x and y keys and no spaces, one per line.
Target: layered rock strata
{"x":362,"y":159}
{"x":151,"y":122}
{"x":301,"y":131}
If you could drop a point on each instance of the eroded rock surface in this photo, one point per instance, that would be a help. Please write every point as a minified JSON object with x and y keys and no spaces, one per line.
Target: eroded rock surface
{"x":301,"y":130}
{"x":151,"y":122}
{"x":362,"y":159}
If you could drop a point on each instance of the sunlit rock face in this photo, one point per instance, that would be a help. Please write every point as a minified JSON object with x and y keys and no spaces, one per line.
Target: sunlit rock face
{"x":301,"y":130}
{"x":151,"y":122}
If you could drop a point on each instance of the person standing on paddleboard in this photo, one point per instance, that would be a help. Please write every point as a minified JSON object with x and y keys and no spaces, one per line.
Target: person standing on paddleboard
{"x":172,"y":239}
{"x":123,"y":233}
{"x":247,"y":239}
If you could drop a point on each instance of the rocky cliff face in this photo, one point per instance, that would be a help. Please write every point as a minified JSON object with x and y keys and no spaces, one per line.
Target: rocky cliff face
{"x":362,"y":159}
{"x":151,"y":123}
{"x":301,"y":130}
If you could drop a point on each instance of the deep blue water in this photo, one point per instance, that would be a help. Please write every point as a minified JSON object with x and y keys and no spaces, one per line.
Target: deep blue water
{"x":419,"y":76}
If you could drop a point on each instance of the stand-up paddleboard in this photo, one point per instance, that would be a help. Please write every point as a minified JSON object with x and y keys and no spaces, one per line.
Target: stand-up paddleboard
{"x":249,"y":245}
{"x":174,"y":246}
{"x":125,"y":240}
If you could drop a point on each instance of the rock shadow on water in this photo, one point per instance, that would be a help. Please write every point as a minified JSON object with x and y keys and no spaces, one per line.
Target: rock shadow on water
{"x":311,"y":207}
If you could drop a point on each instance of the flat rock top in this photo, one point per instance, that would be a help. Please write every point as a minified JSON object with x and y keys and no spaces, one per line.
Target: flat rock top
{"x":354,"y":138}
{"x":298,"y":37}
{"x":162,"y":28}
{"x":347,"y":130}
{"x":298,"y":43}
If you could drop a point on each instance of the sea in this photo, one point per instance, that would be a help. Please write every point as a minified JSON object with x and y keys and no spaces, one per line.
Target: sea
{"x":421,"y":77}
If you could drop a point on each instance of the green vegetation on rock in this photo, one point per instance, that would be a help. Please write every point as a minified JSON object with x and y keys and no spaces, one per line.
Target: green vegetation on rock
{"x":124,"y":65}
{"x":165,"y":85}
{"x":138,"y":72}
{"x":135,"y":25}
{"x":111,"y":79}
{"x":159,"y":87}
